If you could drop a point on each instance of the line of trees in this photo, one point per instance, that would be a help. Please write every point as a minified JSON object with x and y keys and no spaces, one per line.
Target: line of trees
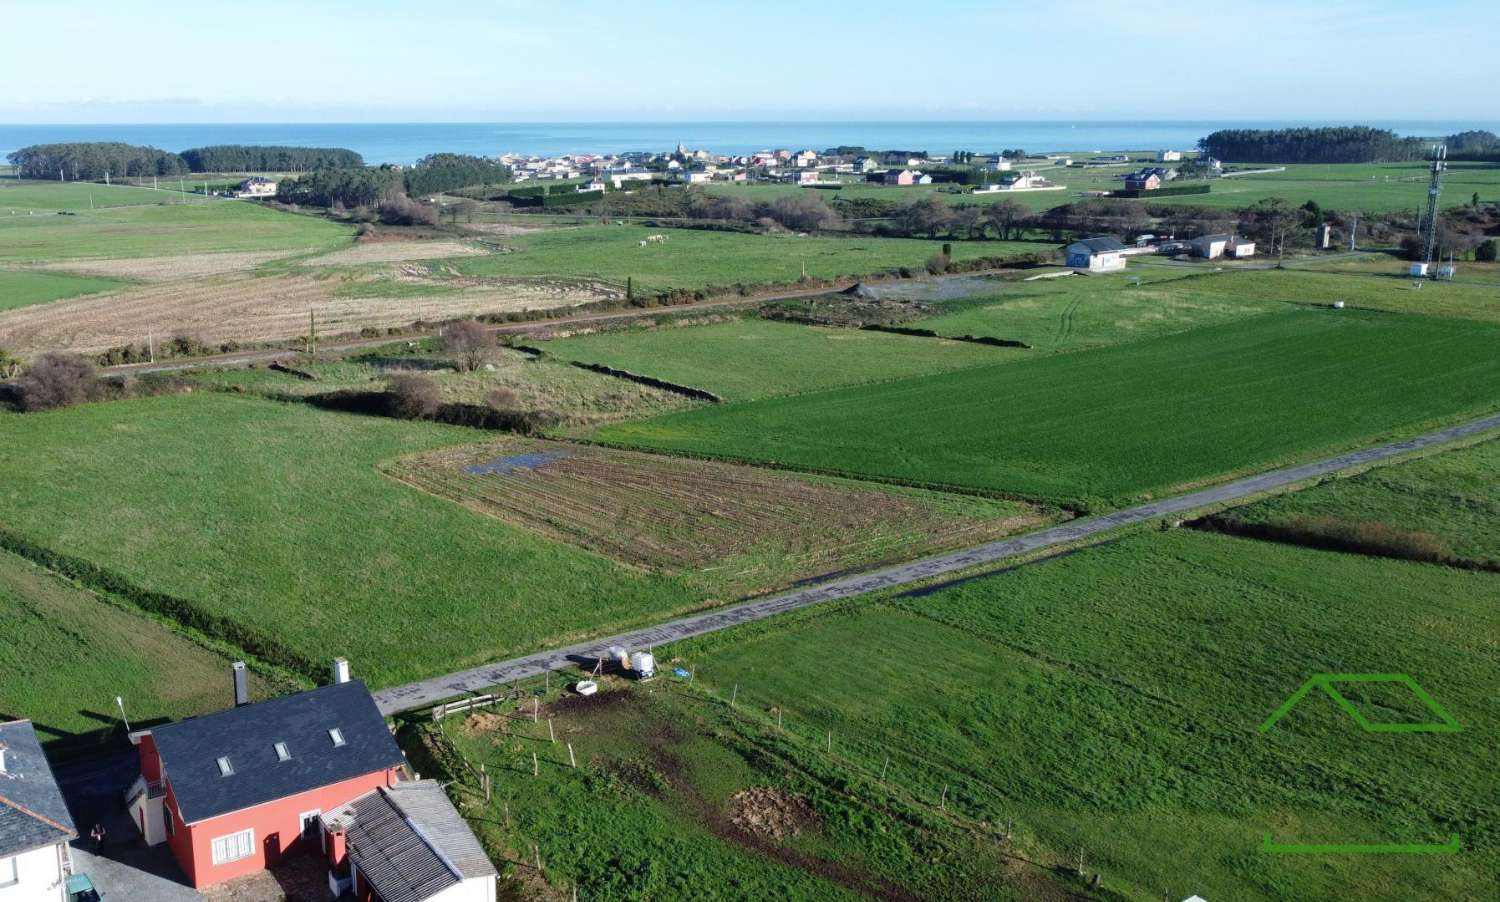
{"x":441,"y":172}
{"x":93,"y":160}
{"x":262,"y":158}
{"x":342,"y":187}
{"x":1343,"y":144}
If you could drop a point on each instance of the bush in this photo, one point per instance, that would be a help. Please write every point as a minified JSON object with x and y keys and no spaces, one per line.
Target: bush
{"x":503,"y":398}
{"x":413,"y":397}
{"x":10,"y":365}
{"x":469,"y":341}
{"x":58,"y":380}
{"x":1487,"y":251}
{"x":402,"y":210}
{"x":938,"y":264}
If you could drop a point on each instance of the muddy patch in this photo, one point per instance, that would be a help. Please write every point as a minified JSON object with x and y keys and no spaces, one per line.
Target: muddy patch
{"x":771,"y":813}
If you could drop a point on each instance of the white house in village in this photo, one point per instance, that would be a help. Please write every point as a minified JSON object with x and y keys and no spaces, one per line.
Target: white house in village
{"x":998,"y":164}
{"x":35,"y":826}
{"x":1212,"y":247}
{"x":1168,"y":156}
{"x":1103,"y":254}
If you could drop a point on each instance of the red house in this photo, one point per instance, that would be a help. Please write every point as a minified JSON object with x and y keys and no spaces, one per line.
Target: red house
{"x":234,"y":791}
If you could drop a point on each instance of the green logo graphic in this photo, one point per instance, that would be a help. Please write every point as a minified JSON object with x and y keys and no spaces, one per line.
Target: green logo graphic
{"x":1325,"y":681}
{"x":1444,"y":723}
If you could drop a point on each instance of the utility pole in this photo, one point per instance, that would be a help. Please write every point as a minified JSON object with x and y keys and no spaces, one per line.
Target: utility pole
{"x":312,"y":333}
{"x":120,"y":703}
{"x":1353,"y":231}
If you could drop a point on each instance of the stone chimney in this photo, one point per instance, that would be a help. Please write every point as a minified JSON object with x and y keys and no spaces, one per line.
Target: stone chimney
{"x":241,"y":684}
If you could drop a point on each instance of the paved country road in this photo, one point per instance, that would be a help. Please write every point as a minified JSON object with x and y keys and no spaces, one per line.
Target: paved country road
{"x":429,"y":692}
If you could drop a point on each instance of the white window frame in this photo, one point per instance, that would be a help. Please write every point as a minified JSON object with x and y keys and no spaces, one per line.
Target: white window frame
{"x":303,"y":818}
{"x":227,"y":858}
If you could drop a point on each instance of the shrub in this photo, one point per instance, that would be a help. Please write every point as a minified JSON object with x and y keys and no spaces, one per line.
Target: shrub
{"x":10,"y":365}
{"x":503,"y":398}
{"x":1487,"y":251}
{"x":402,"y":210}
{"x":469,"y":341}
{"x":58,"y":380}
{"x":938,"y":263}
{"x":413,"y":397}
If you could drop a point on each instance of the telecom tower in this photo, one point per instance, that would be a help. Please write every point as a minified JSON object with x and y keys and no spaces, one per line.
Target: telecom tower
{"x":1439,"y":163}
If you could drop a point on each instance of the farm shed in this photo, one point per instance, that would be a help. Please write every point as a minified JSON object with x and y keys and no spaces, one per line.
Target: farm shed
{"x":1101,"y":254}
{"x":1210,"y":247}
{"x":407,"y":843}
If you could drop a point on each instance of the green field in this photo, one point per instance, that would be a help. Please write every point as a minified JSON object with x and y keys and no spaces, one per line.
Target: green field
{"x":1363,"y":187}
{"x":24,"y":198}
{"x":154,"y":228}
{"x":1110,"y":425}
{"x":657,"y":807}
{"x":67,"y":654}
{"x":1454,"y":496}
{"x":754,"y":358}
{"x":1385,"y":287}
{"x":1110,"y":700}
{"x":1077,"y":313}
{"x":275,"y":516}
{"x":694,"y":258}
{"x":20,"y":288}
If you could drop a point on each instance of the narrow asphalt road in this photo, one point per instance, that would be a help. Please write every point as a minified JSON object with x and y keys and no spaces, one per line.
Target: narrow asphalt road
{"x":429,"y":692}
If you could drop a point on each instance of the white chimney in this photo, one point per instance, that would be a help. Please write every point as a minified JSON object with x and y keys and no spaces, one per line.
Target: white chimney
{"x":241,"y":684}
{"x":340,"y":670}
{"x":2,"y":757}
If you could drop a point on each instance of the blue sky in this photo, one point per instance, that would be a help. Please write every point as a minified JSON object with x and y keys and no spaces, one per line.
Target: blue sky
{"x":481,"y":60}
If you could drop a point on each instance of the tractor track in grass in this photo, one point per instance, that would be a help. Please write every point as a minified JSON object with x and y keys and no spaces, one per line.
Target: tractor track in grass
{"x":424,"y":693}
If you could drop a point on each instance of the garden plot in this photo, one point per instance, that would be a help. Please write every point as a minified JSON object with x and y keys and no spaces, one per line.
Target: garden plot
{"x":746,"y":525}
{"x":396,"y":252}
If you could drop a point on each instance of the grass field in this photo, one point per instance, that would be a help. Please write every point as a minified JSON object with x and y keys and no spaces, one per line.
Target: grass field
{"x":67,"y":654}
{"x":1387,"y":288}
{"x":1454,"y":496}
{"x":1363,"y":187}
{"x":274,"y":515}
{"x":677,"y":796}
{"x":152,"y":228}
{"x":1078,"y":313}
{"x":693,"y":258}
{"x":580,"y":397}
{"x":1109,"y":701}
{"x":1110,"y":425}
{"x":27,"y":197}
{"x":21,"y":288}
{"x":754,"y":358}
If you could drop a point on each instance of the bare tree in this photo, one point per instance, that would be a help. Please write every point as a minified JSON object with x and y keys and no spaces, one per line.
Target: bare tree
{"x":58,"y":380}
{"x":470,"y":342}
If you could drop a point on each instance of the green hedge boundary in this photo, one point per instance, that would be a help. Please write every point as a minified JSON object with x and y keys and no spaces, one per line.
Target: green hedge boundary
{"x":179,"y":610}
{"x":1163,"y":191}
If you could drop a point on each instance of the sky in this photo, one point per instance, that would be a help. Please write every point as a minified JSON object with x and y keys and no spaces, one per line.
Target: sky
{"x":507,"y":60}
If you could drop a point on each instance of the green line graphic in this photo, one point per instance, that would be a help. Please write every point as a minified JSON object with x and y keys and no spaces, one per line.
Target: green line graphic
{"x":1325,"y":681}
{"x":1447,"y":848}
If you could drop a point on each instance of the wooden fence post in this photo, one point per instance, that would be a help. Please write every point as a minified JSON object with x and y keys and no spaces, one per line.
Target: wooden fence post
{"x":571,"y":760}
{"x":536,"y":767}
{"x":884,"y":766}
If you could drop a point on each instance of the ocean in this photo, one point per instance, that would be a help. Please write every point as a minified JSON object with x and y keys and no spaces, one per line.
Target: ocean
{"x":405,"y":142}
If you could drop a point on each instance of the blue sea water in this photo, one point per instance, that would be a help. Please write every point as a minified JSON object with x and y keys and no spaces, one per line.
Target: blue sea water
{"x":405,"y":142}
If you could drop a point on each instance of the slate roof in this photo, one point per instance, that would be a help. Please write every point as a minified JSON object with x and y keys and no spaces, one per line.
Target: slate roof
{"x":409,"y":842}
{"x":32,"y":811}
{"x":247,"y":736}
{"x":1101,"y":245}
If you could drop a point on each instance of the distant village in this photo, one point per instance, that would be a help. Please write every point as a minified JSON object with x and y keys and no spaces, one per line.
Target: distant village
{"x":1014,"y":171}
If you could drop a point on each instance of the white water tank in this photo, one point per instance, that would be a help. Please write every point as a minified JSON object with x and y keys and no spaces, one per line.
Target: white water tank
{"x":643,"y":664}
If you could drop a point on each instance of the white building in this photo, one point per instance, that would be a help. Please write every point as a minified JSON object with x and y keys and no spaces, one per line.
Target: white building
{"x":35,"y":826}
{"x":1168,"y":156}
{"x":1102,"y":254}
{"x":998,"y":164}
